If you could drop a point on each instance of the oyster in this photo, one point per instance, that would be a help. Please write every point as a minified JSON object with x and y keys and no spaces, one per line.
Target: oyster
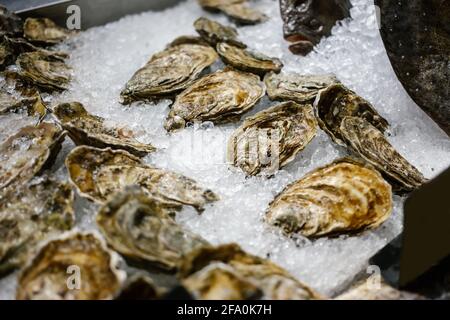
{"x":342,"y":197}
{"x":44,"y":70}
{"x":296,"y":87}
{"x":44,"y":31}
{"x":188,"y":40}
{"x":97,"y":173}
{"x":87,"y":129}
{"x":52,"y":273}
{"x":370,"y":144}
{"x":10,"y":23}
{"x":273,"y":281}
{"x":271,"y":138}
{"x":141,"y":228}
{"x":218,"y":97}
{"x":238,"y":10}
{"x":33,"y":105}
{"x":169,"y":72}
{"x":139,"y":287}
{"x":213,"y":32}
{"x":25,"y":154}
{"x":336,"y":102}
{"x":247,"y":60}
{"x":32,"y":213}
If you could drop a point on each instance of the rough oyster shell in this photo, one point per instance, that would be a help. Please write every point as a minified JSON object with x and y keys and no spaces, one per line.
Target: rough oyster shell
{"x":169,"y":72}
{"x":241,"y":13}
{"x":140,"y":228}
{"x":275,"y":282}
{"x":33,"y":105}
{"x":87,"y":129}
{"x":296,"y":87}
{"x":214,"y":4}
{"x":10,"y":23}
{"x":188,"y":40}
{"x":213,"y":32}
{"x":370,"y":144}
{"x":271,"y":138}
{"x":97,"y":173}
{"x":139,"y":286}
{"x":336,"y":102}
{"x":28,"y":152}
{"x":342,"y":197}
{"x":219,"y":97}
{"x":247,"y":60}
{"x":44,"y":31}
{"x":29,"y":214}
{"x":48,"y":275}
{"x":44,"y":70}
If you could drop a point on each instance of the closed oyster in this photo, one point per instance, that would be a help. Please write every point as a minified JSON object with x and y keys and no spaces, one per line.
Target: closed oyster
{"x":169,"y":72}
{"x":28,"y":152}
{"x":214,"y":4}
{"x":74,"y":267}
{"x":274,"y":282}
{"x":336,"y":102}
{"x":97,"y":173}
{"x":241,"y":13}
{"x":213,"y":32}
{"x":140,"y":228}
{"x":33,"y":105}
{"x":271,"y":139}
{"x":44,"y":31}
{"x":44,"y":70}
{"x":370,"y":144}
{"x":343,"y":197}
{"x":32,"y":213}
{"x":10,"y":23}
{"x":296,"y":87}
{"x":87,"y":129}
{"x":218,"y":97}
{"x":247,"y":60}
{"x":187,"y":40}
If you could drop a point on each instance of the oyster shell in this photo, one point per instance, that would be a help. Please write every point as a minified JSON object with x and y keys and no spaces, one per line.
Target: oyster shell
{"x":274,"y":282}
{"x":370,"y":144}
{"x":247,"y":60}
{"x":241,"y":13}
{"x":271,"y":138}
{"x":32,"y":213}
{"x":44,"y":31}
{"x":140,"y":228}
{"x":169,"y":72}
{"x":25,"y":154}
{"x":97,"y":173}
{"x":214,"y":4}
{"x":49,"y":274}
{"x":10,"y":23}
{"x":44,"y":70}
{"x":139,"y":287}
{"x":219,"y":97}
{"x":213,"y":32}
{"x":296,"y":87}
{"x":188,"y":40}
{"x":33,"y":105}
{"x":342,"y":197}
{"x":87,"y":129}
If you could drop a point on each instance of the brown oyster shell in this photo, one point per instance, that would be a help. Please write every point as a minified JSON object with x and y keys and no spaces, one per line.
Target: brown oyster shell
{"x":246,"y":60}
{"x":97,"y":173}
{"x":243,"y":14}
{"x":213,"y":32}
{"x":340,"y":198}
{"x":168,"y":72}
{"x":272,"y":138}
{"x":10,"y":23}
{"x":47,"y":276}
{"x":219,"y":97}
{"x":87,"y":129}
{"x":34,"y":106}
{"x":188,"y":40}
{"x":28,"y":152}
{"x":139,"y":286}
{"x":44,"y":31}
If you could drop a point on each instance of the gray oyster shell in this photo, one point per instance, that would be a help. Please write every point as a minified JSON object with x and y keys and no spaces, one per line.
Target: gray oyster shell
{"x":44,"y":31}
{"x":213,"y":32}
{"x":87,"y":129}
{"x":10,"y":23}
{"x":34,"y":106}
{"x":272,"y":138}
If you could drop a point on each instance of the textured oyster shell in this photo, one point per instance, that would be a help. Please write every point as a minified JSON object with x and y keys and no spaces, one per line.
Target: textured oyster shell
{"x":10,"y":23}
{"x":87,"y":129}
{"x":169,"y":72}
{"x":28,"y":152}
{"x":188,"y":40}
{"x":44,"y":70}
{"x":44,"y":30}
{"x":274,"y":282}
{"x":336,"y":102}
{"x":272,"y":138}
{"x":139,"y":286}
{"x":214,"y":4}
{"x":47,"y":276}
{"x":32,"y":213}
{"x":342,"y":197}
{"x":296,"y":87}
{"x":34,"y":106}
{"x":370,"y":144}
{"x":219,"y":97}
{"x":242,"y":13}
{"x":140,"y":228}
{"x":246,"y":60}
{"x":213,"y":32}
{"x":97,"y":173}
